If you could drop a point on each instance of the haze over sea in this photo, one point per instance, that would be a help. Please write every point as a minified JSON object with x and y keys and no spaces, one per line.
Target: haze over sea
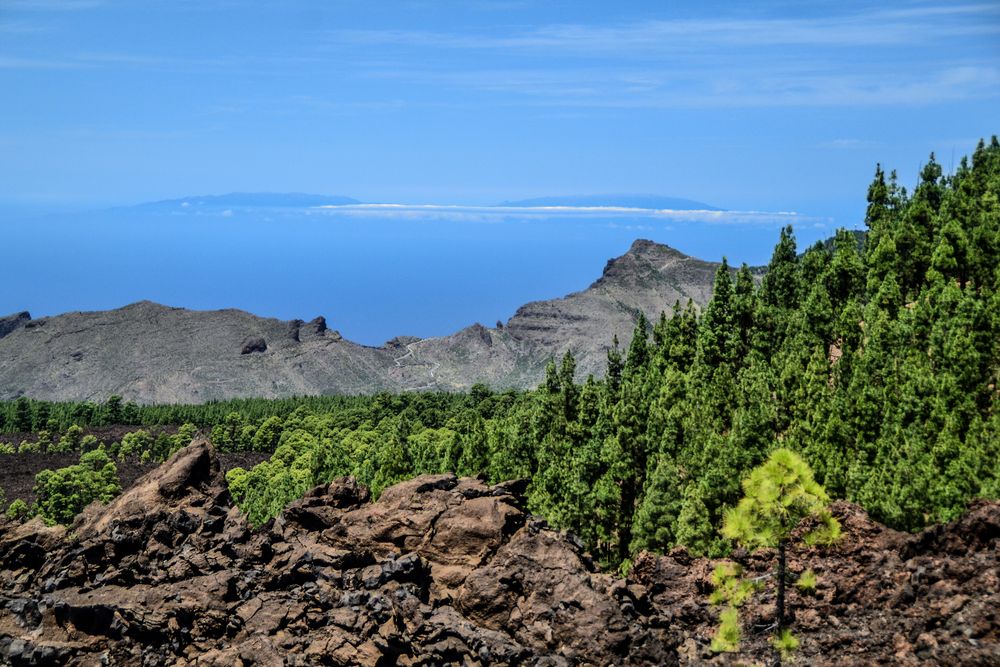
{"x":375,"y":271}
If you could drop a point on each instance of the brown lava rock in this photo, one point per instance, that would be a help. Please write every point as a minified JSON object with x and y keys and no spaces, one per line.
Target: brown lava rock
{"x":882,"y":598}
{"x":445,"y":571}
{"x":439,"y":571}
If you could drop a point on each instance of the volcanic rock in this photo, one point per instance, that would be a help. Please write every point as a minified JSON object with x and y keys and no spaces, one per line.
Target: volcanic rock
{"x":446,"y":570}
{"x":254,"y":344}
{"x":317,"y":325}
{"x":440,"y":570}
{"x":12,"y":322}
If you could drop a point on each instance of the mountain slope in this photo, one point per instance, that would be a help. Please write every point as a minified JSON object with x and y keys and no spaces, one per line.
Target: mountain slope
{"x":152,"y":353}
{"x":251,"y":200}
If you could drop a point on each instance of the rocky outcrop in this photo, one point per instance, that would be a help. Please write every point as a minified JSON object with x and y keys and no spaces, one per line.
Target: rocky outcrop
{"x":253,"y":344}
{"x":442,"y":570}
{"x":12,"y":322}
{"x":439,"y":571}
{"x":155,"y":354}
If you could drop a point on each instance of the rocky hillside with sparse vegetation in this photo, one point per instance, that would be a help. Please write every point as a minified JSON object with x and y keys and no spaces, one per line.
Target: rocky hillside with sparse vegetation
{"x":151,"y":353}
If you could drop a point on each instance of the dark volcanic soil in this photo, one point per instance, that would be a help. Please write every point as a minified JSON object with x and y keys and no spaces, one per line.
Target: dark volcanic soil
{"x":17,"y":471}
{"x":108,"y":434}
{"x":452,"y":571}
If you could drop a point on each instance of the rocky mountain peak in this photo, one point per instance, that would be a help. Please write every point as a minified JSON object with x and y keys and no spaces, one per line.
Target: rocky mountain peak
{"x":149,"y":352}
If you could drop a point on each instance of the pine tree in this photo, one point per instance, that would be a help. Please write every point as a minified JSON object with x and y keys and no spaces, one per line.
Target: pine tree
{"x":653,"y":527}
{"x":779,"y":289}
{"x":744,"y":312}
{"x":638,"y":351}
{"x":569,"y":392}
{"x":879,"y":217}
{"x":616,"y":365}
{"x":717,"y":338}
{"x":694,"y":524}
{"x":845,"y":278}
{"x":778,"y":495}
{"x":40,"y":419}
{"x":22,"y":415}
{"x":113,"y":410}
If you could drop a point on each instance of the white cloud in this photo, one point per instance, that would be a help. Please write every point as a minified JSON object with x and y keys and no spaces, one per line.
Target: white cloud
{"x":865,"y":28}
{"x":734,"y":87}
{"x":498,"y":214}
{"x":869,"y":57}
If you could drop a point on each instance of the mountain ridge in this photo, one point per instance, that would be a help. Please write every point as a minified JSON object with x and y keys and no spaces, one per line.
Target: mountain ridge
{"x":153,"y":353}
{"x":249,"y":199}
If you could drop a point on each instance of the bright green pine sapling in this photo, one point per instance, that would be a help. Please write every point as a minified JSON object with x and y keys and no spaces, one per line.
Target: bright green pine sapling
{"x":806,"y":583}
{"x":779,"y":495}
{"x":730,"y":589}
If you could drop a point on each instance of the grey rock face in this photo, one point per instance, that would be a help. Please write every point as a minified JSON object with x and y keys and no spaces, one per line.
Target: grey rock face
{"x":149,"y":353}
{"x":12,"y":322}
{"x":253,"y":344}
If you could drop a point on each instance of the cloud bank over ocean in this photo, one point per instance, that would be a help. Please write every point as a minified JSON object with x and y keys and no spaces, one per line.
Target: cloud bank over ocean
{"x":460,"y":213}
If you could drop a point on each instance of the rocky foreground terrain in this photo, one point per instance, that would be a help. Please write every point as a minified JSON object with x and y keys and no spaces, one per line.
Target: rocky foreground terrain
{"x":452,"y":571}
{"x":151,"y":353}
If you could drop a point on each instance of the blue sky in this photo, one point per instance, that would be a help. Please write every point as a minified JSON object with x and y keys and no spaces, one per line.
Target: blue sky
{"x":771,"y":106}
{"x":775,"y":111}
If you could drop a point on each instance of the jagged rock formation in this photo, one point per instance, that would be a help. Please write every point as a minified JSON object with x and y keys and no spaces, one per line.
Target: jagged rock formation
{"x":13,"y":322}
{"x":154,"y":354}
{"x":439,"y":571}
{"x":254,"y":344}
{"x":452,"y":571}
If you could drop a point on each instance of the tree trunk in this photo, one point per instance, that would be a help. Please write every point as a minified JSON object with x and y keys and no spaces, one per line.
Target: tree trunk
{"x":781,"y":586}
{"x":781,"y":598}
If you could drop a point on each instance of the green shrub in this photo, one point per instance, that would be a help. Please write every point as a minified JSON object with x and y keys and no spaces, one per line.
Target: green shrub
{"x":300,"y":462}
{"x":727,"y":636}
{"x":27,"y":447}
{"x":61,"y":494}
{"x":44,"y":440}
{"x":785,"y":643}
{"x":88,"y":443}
{"x":806,"y":581}
{"x":18,"y":510}
{"x":71,"y":439}
{"x":185,"y":434}
{"x":779,"y":495}
{"x":728,"y":586}
{"x":134,"y":444}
